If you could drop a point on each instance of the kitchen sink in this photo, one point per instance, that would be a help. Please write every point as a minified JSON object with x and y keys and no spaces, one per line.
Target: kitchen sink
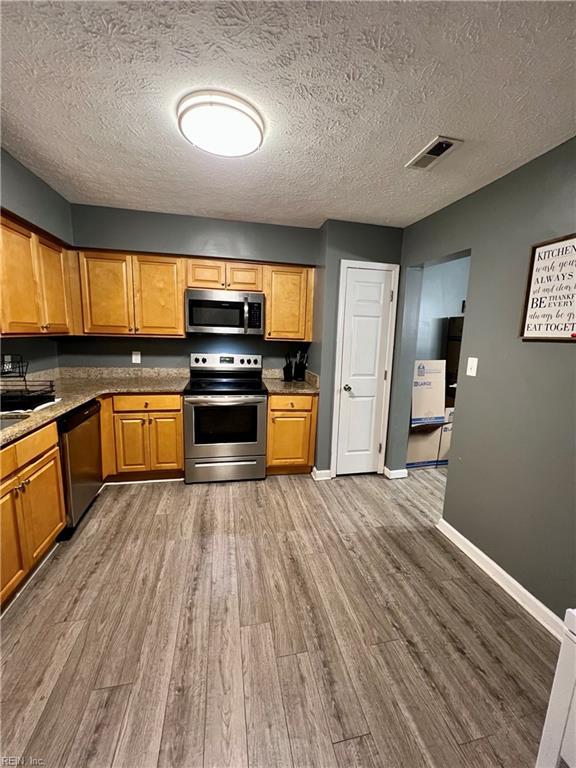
{"x":9,"y":419}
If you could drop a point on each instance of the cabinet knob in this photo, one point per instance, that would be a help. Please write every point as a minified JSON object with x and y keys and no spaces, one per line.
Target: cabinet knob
{"x":291,"y":405}
{"x":223,"y":284}
{"x":145,"y":404}
{"x":26,"y":482}
{"x":136,"y":329}
{"x":47,"y":326}
{"x":130,"y":329}
{"x":347,"y":388}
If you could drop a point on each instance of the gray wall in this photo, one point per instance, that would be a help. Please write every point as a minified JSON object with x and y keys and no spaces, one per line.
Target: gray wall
{"x":165,"y":353}
{"x":511,"y":482}
{"x":444,"y":287}
{"x":118,"y":228}
{"x":41,"y":354}
{"x":342,"y":240}
{"x":26,"y":195}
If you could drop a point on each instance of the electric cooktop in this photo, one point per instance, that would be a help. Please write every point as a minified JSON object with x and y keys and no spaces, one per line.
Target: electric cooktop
{"x":224,"y":374}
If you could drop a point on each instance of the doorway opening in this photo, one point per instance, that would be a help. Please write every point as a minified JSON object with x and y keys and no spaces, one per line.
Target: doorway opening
{"x":441,"y":319}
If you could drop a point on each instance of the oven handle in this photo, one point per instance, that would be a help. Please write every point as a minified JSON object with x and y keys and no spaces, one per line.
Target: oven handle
{"x":245,"y":314}
{"x":245,"y":400}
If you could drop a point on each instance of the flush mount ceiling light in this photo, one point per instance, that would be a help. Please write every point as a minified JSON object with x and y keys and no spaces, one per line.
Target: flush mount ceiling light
{"x":220,"y":123}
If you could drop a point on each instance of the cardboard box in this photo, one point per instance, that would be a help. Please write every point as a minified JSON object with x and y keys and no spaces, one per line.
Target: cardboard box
{"x":446,"y":437}
{"x":428,"y":392}
{"x":423,"y":447}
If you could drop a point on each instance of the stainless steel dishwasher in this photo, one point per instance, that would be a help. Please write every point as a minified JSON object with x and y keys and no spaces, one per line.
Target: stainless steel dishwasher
{"x":81,"y":459}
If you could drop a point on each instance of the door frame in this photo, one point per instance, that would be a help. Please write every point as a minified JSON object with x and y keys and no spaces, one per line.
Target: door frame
{"x":346,"y":264}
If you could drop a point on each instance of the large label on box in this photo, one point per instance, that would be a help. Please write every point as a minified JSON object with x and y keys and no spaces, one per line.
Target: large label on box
{"x":428,"y":392}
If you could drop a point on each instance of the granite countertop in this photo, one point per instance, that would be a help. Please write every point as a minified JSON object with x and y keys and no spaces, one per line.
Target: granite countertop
{"x":280,"y":387}
{"x":76,"y":392}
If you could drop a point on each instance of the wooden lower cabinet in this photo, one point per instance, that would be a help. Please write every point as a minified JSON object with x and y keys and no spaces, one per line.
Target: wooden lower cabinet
{"x":291,"y":441}
{"x":14,"y":552}
{"x":32,"y":516}
{"x":166,"y":441}
{"x":132,"y":442}
{"x":42,"y":503}
{"x":148,"y":441}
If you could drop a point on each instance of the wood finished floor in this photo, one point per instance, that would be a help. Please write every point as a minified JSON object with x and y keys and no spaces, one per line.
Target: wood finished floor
{"x":275,"y":623}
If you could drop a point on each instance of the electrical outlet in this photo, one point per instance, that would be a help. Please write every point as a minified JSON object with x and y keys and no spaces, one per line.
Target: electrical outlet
{"x":472,"y":366}
{"x":136,"y":358}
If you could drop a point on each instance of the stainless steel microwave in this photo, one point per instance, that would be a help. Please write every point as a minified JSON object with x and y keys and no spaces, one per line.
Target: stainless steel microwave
{"x":224,"y":312}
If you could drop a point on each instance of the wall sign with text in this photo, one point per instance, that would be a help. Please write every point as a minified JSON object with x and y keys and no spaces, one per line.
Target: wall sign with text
{"x":550,"y":313}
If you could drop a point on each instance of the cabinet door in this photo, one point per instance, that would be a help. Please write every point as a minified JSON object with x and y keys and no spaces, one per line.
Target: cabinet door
{"x":107,"y":293}
{"x":243,"y":277}
{"x":42,"y":503}
{"x":286,"y":290}
{"x":166,"y":441}
{"x":132,"y":442}
{"x":19,"y":280}
{"x":14,"y":555}
{"x":204,"y":273}
{"x":289,"y":438}
{"x":158,"y":295}
{"x":51,"y":269}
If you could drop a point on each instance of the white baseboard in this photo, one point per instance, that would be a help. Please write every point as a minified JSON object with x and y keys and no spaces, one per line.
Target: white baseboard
{"x":321,"y":474}
{"x":395,"y":474}
{"x":143,"y":482}
{"x":535,"y":608}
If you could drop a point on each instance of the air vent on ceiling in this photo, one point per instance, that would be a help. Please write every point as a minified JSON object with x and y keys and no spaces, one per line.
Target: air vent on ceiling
{"x":433,"y":152}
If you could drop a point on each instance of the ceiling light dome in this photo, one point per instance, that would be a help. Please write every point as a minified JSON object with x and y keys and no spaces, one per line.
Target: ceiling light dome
{"x":220,"y":123}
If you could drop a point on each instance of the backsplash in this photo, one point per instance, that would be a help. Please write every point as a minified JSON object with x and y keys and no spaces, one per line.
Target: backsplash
{"x":41,"y":354}
{"x":100,"y":352}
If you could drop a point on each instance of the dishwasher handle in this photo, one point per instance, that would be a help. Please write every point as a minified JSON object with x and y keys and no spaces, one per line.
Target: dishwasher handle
{"x":78,"y":416}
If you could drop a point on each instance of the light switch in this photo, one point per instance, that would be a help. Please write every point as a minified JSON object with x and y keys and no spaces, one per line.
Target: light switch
{"x":136,"y":358}
{"x":472,"y":366}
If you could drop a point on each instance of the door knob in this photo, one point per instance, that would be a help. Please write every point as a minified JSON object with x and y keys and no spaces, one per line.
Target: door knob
{"x":347,"y":388}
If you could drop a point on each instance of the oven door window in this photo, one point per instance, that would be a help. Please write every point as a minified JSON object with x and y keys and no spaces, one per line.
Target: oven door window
{"x":216,"y":314}
{"x":224,"y":424}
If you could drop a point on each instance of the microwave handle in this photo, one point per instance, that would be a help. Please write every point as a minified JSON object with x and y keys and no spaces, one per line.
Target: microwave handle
{"x":245,"y":314}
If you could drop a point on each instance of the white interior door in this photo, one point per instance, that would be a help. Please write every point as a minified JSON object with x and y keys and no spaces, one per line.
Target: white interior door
{"x":367,"y":316}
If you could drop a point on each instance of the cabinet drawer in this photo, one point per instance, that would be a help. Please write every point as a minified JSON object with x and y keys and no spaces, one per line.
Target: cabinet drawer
{"x":8,"y":461}
{"x":147,"y":402}
{"x":37,"y":443}
{"x":290,"y":402}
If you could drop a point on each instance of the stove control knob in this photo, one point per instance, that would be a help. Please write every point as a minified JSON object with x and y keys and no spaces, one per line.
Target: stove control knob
{"x":203,"y":359}
{"x":248,"y":361}
{"x":196,"y":359}
{"x":241,"y":361}
{"x":255,"y":361}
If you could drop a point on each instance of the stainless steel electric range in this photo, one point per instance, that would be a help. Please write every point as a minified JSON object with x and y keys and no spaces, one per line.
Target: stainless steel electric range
{"x":225,"y":418}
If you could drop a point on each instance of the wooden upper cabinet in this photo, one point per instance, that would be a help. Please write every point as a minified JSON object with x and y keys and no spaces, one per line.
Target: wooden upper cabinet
{"x":206,"y":273}
{"x":289,"y":296}
{"x":53,"y":278}
{"x":243,"y":277}
{"x":158,"y":295}
{"x":21,"y":310}
{"x":107,"y":293}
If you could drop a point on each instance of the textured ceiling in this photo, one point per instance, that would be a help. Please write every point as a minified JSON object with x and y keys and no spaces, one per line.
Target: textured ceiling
{"x":349,"y":92}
